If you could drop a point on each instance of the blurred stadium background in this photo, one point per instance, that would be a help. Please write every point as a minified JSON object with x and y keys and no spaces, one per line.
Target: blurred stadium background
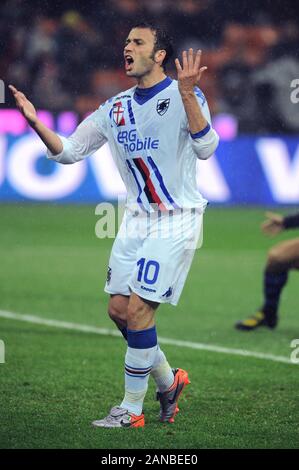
{"x":67,"y":58}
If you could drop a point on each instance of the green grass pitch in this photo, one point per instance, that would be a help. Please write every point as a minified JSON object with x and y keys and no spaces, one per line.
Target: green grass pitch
{"x":55,"y":382}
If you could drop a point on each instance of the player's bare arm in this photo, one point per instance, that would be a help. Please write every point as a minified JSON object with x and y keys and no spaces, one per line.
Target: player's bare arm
{"x":189,"y":74}
{"x":276,"y":223}
{"x":273,"y":224}
{"x":50,"y":139}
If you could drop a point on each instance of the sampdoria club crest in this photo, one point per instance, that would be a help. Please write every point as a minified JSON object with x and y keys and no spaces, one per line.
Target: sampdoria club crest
{"x":162,"y":106}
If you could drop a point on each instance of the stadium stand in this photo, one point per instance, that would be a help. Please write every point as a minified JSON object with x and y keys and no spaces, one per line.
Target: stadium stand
{"x":72,"y":58}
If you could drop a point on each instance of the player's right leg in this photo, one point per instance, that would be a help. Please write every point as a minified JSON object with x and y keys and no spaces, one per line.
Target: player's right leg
{"x":117,"y":311}
{"x":140,"y":355}
{"x":122,"y":263}
{"x":281,"y":258}
{"x":170,"y":382}
{"x":125,"y":265}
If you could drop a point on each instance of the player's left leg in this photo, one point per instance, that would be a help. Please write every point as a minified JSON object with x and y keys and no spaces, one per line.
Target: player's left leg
{"x":160,"y":274}
{"x":143,"y":357}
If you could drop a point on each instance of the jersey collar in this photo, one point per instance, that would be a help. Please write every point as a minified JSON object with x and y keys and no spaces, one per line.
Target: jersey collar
{"x":142,"y":95}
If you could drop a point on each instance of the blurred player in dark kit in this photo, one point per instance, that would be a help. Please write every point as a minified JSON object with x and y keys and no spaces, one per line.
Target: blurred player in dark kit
{"x":281,"y":259}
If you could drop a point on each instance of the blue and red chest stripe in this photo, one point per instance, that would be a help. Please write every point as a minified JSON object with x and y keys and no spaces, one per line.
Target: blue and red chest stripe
{"x":149,"y":186}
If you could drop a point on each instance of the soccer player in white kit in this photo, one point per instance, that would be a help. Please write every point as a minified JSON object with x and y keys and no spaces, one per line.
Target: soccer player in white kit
{"x":156,"y":131}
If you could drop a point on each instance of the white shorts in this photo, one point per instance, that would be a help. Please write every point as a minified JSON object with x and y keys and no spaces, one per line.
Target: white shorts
{"x":152,"y":254}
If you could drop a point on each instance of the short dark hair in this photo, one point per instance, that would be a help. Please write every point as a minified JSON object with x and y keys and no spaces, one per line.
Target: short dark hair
{"x":162,"y":40}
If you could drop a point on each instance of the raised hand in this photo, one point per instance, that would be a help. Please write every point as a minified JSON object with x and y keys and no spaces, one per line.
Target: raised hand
{"x":24,"y":105}
{"x":189,"y":75}
{"x":273,"y":224}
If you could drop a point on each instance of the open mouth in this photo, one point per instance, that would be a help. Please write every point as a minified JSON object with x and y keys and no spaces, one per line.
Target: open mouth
{"x":128,"y":61}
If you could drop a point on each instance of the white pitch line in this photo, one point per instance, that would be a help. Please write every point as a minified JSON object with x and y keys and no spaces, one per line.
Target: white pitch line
{"x":173,"y":342}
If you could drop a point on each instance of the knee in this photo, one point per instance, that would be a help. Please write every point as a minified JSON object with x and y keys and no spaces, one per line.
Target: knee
{"x":276,"y":258}
{"x":113,"y":313}
{"x":134,"y":313}
{"x":116,"y":311}
{"x":140,"y":314}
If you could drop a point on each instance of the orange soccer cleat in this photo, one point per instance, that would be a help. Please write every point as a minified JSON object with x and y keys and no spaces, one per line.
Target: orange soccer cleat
{"x":169,"y":399}
{"x":120,"y":418}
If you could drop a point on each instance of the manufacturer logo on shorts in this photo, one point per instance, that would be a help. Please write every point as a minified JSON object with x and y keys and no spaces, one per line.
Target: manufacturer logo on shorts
{"x":162,"y":106}
{"x":148,"y":289}
{"x":168,"y":293}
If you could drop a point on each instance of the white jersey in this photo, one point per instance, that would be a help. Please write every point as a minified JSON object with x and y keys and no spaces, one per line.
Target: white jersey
{"x":147,"y":131}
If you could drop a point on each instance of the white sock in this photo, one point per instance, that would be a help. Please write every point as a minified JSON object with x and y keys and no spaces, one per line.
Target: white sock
{"x":162,"y":372}
{"x":140,"y":355}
